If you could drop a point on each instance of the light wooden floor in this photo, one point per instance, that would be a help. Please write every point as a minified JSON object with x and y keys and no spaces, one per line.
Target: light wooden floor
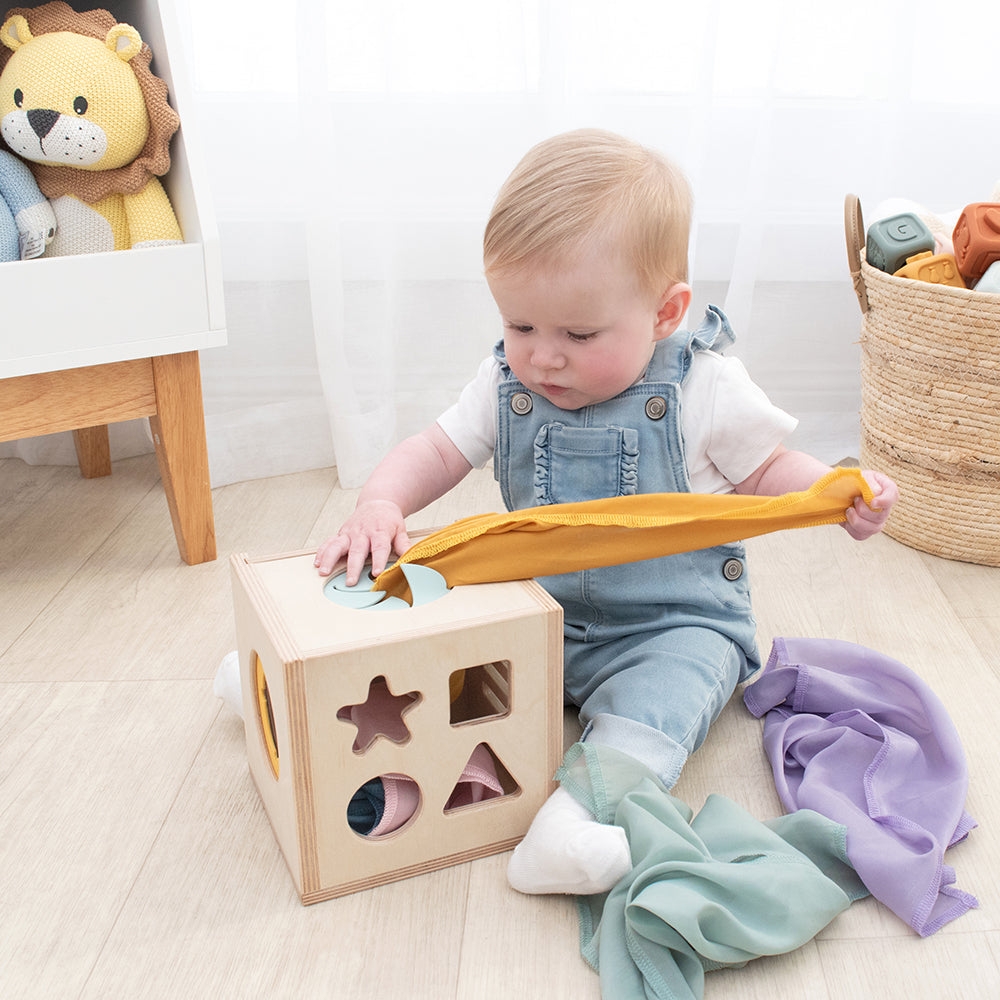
{"x":136,"y":860}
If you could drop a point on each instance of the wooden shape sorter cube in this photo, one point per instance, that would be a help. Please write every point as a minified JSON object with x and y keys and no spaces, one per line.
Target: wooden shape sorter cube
{"x":471,"y":678}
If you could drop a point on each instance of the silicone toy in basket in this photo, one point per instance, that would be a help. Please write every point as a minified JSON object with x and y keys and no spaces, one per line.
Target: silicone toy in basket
{"x":930,"y":404}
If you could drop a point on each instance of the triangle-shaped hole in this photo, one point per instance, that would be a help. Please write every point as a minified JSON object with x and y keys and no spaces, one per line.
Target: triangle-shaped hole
{"x":483,"y":778}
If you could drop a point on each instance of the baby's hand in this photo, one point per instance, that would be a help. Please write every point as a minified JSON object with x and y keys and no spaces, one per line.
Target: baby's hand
{"x":375,"y":528}
{"x":864,"y":521}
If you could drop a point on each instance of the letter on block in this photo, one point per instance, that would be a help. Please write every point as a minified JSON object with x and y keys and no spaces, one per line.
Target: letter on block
{"x":891,"y":241}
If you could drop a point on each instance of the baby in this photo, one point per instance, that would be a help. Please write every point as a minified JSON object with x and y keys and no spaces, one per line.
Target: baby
{"x":595,"y":391}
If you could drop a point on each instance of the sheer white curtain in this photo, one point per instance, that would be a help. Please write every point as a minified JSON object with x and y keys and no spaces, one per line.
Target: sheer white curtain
{"x":354,"y":149}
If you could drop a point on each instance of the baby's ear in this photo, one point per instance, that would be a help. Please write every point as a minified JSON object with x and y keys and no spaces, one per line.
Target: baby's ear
{"x":672,"y":308}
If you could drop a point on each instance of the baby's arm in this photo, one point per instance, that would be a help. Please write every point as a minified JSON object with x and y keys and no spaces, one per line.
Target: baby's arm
{"x":790,"y":471}
{"x":415,"y":473}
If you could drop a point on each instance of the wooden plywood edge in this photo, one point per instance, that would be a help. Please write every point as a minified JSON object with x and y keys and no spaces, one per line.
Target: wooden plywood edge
{"x":242,"y":573}
{"x":305,"y":800}
{"x":397,"y":874}
{"x":246,"y":580}
{"x":554,"y":659}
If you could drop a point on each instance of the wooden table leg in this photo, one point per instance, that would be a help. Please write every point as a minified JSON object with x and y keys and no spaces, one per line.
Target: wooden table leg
{"x":179,"y":435}
{"x":93,"y":451}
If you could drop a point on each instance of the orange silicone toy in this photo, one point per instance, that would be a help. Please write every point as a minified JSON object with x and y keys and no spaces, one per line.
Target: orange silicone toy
{"x":977,"y":239}
{"x":937,"y":268}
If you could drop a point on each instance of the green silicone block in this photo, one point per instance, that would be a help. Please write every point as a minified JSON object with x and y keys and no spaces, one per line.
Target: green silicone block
{"x":892,"y":240}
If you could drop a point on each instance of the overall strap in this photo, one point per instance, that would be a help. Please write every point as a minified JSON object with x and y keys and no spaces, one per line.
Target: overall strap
{"x":672,"y":359}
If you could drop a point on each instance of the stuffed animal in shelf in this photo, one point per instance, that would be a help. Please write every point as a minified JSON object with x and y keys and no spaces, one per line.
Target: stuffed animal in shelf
{"x":27,"y":222}
{"x":79,"y":102}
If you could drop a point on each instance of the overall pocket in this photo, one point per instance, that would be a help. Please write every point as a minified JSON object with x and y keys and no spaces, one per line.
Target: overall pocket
{"x":573,"y":464}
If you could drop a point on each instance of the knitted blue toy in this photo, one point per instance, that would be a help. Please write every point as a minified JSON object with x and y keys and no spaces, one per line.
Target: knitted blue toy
{"x":27,"y":222}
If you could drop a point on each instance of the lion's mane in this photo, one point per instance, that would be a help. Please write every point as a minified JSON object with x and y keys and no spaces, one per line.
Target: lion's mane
{"x":154,"y":158}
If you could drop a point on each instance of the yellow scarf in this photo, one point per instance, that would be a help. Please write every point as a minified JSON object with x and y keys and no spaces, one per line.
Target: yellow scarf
{"x":563,"y":538}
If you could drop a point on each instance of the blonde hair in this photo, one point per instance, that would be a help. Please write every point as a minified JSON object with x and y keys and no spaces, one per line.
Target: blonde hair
{"x":587,"y":184}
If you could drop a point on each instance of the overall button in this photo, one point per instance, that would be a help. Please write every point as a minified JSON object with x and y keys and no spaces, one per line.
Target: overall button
{"x":656,"y":407}
{"x":732,"y":569}
{"x":521,"y":403}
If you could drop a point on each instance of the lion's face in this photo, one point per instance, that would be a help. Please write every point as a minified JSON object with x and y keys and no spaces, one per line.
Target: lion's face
{"x":72,"y":100}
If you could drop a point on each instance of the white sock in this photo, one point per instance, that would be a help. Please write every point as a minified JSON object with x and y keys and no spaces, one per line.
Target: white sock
{"x":567,"y":850}
{"x":227,"y":682}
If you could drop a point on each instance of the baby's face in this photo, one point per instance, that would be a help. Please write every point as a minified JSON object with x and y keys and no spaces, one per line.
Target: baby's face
{"x":579,"y":334}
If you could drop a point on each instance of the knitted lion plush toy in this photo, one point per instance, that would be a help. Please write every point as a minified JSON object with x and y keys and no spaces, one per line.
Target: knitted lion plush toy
{"x":78,"y":102}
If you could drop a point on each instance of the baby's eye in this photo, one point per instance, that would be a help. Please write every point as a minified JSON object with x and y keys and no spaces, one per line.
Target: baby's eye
{"x":579,"y":338}
{"x":520,"y":327}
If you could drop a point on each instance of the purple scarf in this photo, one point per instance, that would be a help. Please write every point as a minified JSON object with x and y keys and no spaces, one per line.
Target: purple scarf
{"x":861,"y":739}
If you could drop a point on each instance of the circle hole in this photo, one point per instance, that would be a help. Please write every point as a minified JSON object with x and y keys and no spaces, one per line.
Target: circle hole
{"x":383,"y":806}
{"x":265,"y":715}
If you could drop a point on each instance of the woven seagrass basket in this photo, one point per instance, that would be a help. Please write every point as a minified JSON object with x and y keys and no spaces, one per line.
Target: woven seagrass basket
{"x":930,"y":405}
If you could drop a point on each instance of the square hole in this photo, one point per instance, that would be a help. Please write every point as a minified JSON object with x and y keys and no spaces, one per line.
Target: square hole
{"x":480,"y":693}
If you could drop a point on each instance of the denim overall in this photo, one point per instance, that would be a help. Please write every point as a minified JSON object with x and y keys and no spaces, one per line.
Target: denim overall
{"x":653,"y":649}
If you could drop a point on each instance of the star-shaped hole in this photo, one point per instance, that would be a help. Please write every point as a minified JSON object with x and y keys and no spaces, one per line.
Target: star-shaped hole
{"x":381,"y":714}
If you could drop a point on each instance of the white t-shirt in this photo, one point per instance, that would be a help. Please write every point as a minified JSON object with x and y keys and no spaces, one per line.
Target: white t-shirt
{"x":728,"y":424}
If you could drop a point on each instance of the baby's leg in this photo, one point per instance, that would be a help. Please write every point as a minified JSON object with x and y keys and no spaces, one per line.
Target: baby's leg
{"x":652,"y":696}
{"x":655,"y":695}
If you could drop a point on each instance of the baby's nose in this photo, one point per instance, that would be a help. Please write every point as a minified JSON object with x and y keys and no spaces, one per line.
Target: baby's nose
{"x":548,"y":356}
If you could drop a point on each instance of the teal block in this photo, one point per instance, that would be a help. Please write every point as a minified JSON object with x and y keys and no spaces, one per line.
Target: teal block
{"x":892,"y":240}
